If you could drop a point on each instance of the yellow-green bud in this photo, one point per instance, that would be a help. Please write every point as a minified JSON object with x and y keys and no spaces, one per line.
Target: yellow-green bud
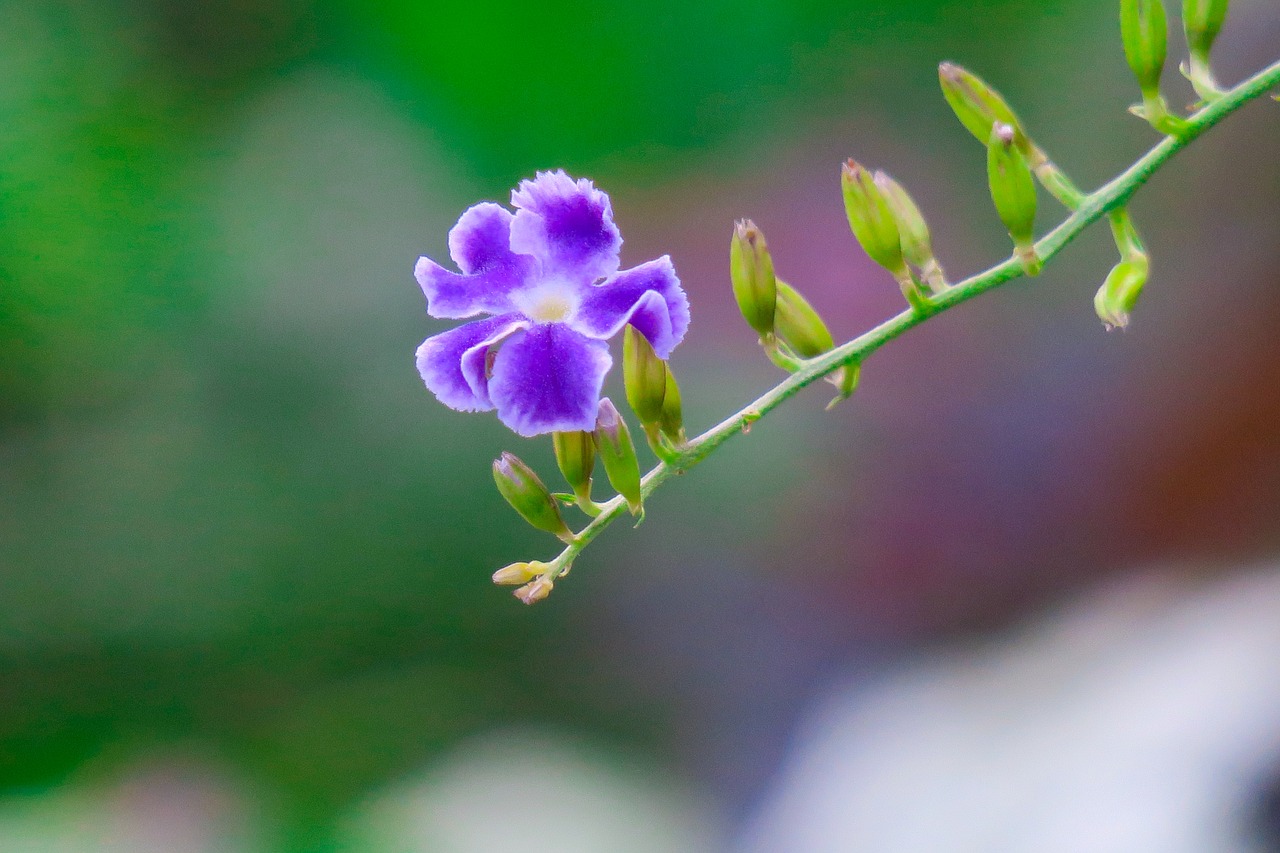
{"x":576,"y":456}
{"x":644,"y":376}
{"x":1014,"y":192}
{"x":518,"y":573}
{"x":976,"y":104}
{"x":1144,"y":31}
{"x":799,"y":325}
{"x":751,"y":271}
{"x":1119,"y":293}
{"x":528,"y":496}
{"x":1202,"y":21}
{"x":618,"y":454}
{"x":672,"y":423}
{"x":870,"y":217}
{"x":912,"y":229}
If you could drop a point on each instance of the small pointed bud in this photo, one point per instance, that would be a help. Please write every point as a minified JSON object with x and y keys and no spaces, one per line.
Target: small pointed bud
{"x":518,"y":573}
{"x":800,"y":325}
{"x":871,"y":218}
{"x":528,"y":496}
{"x":1144,"y":31}
{"x":644,"y":376}
{"x":672,"y":422}
{"x":846,"y":380}
{"x":751,"y":271}
{"x":976,"y":104}
{"x":576,"y":456}
{"x":618,"y":454}
{"x":1116,"y":298}
{"x":532,"y":593}
{"x":912,"y":229}
{"x":1014,"y":192}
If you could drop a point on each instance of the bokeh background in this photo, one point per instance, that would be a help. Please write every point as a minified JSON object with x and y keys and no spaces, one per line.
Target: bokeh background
{"x":244,"y":555}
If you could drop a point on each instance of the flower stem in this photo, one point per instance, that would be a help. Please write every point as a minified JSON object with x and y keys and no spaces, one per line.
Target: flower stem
{"x":1090,"y":208}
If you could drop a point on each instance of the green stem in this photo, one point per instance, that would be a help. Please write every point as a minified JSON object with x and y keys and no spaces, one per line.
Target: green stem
{"x":1092,"y":207}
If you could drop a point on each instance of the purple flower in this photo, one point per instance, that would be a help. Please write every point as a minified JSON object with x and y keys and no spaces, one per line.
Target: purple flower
{"x":548,"y":275}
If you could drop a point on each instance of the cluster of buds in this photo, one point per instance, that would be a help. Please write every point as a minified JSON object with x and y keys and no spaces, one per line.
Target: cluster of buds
{"x":1144,"y":30}
{"x":534,"y":580}
{"x":655,"y":398}
{"x":791,"y":330}
{"x":653,"y":394}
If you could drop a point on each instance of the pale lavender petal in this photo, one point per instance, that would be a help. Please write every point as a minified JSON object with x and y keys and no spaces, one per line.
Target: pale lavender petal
{"x":648,"y":297}
{"x":453,"y":363}
{"x":548,"y":379}
{"x":567,"y":225}
{"x":480,"y":244}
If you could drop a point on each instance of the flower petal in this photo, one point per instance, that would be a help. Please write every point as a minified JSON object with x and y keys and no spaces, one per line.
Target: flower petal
{"x":452,"y":364}
{"x":548,"y":379}
{"x":566,"y":224}
{"x":480,"y":244}
{"x":648,"y":297}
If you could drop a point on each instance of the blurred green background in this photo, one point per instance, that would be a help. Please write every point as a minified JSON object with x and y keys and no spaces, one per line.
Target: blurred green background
{"x":235,"y":529}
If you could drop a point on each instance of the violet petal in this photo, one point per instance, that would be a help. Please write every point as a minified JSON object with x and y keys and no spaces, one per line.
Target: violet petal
{"x":648,"y":297}
{"x":567,"y":225}
{"x":480,"y":244}
{"x":547,"y":378}
{"x":453,"y":363}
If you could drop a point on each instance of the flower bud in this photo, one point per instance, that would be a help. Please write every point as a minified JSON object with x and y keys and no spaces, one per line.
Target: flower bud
{"x":1119,"y":293}
{"x":644,"y":376}
{"x":1144,"y":31}
{"x":751,"y":271}
{"x":1202,"y":21}
{"x":532,"y":593}
{"x":1014,"y":192}
{"x":912,"y":229}
{"x":618,"y":454}
{"x":846,"y":380}
{"x":976,"y":104}
{"x":870,"y":217}
{"x":672,"y":422}
{"x":576,"y":456}
{"x":518,"y":573}
{"x":524,"y":491}
{"x":799,"y":325}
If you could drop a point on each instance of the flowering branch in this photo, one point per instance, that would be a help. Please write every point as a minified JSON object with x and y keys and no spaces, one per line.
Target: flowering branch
{"x":1108,"y":200}
{"x":548,"y":277}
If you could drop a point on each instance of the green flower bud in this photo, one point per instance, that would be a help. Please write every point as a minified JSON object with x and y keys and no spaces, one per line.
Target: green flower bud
{"x":799,"y":325}
{"x":524,"y":491}
{"x":751,"y":271}
{"x":672,"y":422}
{"x":618,"y":455}
{"x":1144,"y":30}
{"x":1119,"y":293}
{"x":518,"y":573}
{"x":846,"y":380}
{"x":976,"y":104}
{"x":576,"y":456}
{"x":1014,"y":192}
{"x":912,"y":229}
{"x":871,"y":218}
{"x":1202,"y":21}
{"x":644,"y":376}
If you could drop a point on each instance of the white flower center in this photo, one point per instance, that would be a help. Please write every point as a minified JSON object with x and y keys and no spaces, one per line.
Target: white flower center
{"x":548,"y":302}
